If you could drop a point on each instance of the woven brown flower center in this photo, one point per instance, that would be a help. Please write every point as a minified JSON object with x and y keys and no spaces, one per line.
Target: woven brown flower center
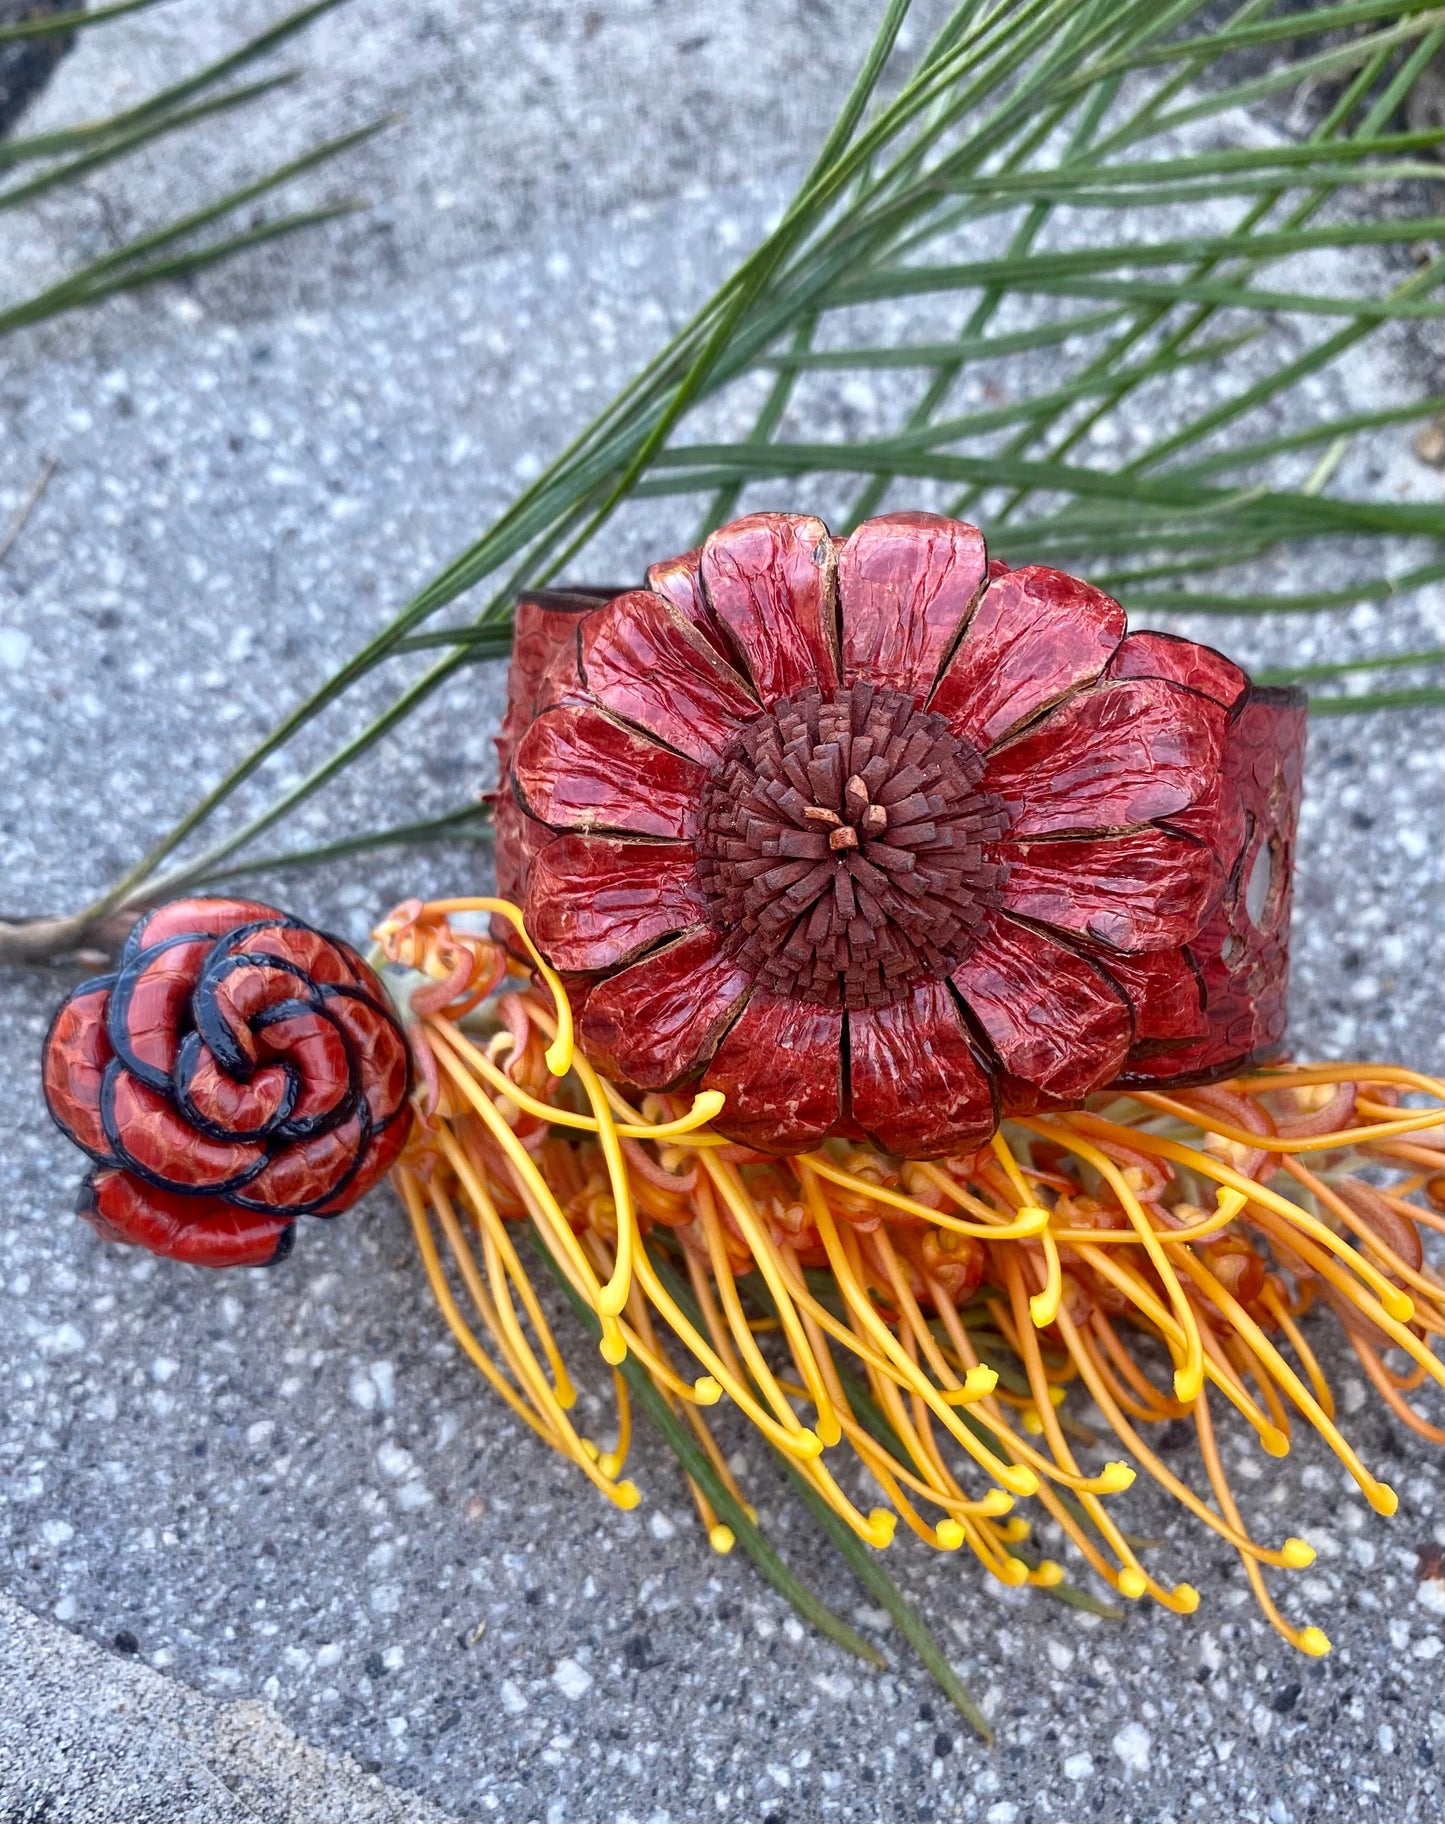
{"x":841,"y":846}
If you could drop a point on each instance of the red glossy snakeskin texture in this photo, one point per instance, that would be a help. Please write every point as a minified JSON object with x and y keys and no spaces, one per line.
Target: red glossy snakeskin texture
{"x":238,"y":1070}
{"x":887,"y":841}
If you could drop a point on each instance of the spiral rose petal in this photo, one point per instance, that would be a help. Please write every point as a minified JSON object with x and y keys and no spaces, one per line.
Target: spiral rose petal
{"x":202,"y":1231}
{"x":77,"y":1052}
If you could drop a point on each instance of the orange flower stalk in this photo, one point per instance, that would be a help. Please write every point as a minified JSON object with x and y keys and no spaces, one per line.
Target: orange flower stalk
{"x":934,"y":1322}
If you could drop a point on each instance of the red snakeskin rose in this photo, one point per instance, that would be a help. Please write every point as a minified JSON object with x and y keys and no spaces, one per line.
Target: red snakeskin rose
{"x":238,"y":1070}
{"x":882,"y":839}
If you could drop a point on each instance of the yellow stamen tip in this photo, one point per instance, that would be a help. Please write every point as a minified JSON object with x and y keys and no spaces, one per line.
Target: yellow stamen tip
{"x":721,"y":1538}
{"x":594,"y":1455}
{"x":1044,"y":1307}
{"x":979,"y":1382}
{"x":1187,"y":1384}
{"x":706,"y":1391}
{"x":881,"y":1527}
{"x":806,"y":1444}
{"x":1313,"y":1641}
{"x":1057,"y":1394}
{"x":1013,"y":1572}
{"x":1019,"y":1479}
{"x":1132,"y":1583}
{"x":1031,"y":1219}
{"x":628,"y":1494}
{"x":828,"y":1429}
{"x":948,"y":1535}
{"x":1275,"y":1443}
{"x":1048,"y":1575}
{"x":1297,"y":1554}
{"x":613,"y":1347}
{"x":1032,"y":1423}
{"x":1382,"y":1498}
{"x":1186,"y":1598}
{"x":1017,"y":1529}
{"x":612,"y":1299}
{"x":559,"y":1055}
{"x":1399,"y":1304}
{"x":566,"y":1393}
{"x":994,"y":1503}
{"x":1114,"y":1478}
{"x":707,"y":1103}
{"x":609,"y":1465}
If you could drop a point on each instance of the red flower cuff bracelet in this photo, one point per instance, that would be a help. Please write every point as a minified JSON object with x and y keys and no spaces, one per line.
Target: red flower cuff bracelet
{"x":882,"y":839}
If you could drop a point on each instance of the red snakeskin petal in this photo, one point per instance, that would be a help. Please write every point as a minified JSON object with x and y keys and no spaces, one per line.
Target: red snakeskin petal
{"x":378,"y":1052}
{"x":642,"y":662}
{"x":1145,"y":891}
{"x":208,"y":917}
{"x":781,"y":1069}
{"x":543,"y":623}
{"x":1242,"y":953}
{"x":159,"y":1142}
{"x":517,"y":840}
{"x":306,"y":1172}
{"x":156,"y":1008}
{"x":916,"y":1087}
{"x":77,"y":1051}
{"x":562,"y":681}
{"x":1164,"y":991}
{"x":1036,"y":635}
{"x":241,"y":1108}
{"x":581,"y":769}
{"x":382,"y":1155}
{"x":1165,"y":655}
{"x":679,"y":580}
{"x":1054,"y":1019}
{"x":769,"y":579}
{"x":544,"y":626}
{"x":657,"y":1022}
{"x":595,"y":902}
{"x":1112,"y":757}
{"x":906,"y":582}
{"x":202,"y":1231}
{"x":312,"y":1044}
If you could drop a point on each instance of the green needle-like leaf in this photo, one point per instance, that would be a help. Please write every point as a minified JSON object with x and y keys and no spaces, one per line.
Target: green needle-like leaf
{"x":1021,"y":106}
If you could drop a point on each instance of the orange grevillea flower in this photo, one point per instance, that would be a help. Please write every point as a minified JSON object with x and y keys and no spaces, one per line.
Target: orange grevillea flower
{"x":927,"y":1322}
{"x":884,"y":841}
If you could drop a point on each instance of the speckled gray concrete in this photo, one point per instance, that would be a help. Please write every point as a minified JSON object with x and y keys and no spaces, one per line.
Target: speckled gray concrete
{"x":288,"y":1489}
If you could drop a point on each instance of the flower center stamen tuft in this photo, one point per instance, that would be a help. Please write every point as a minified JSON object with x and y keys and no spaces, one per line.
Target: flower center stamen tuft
{"x":842,"y":846}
